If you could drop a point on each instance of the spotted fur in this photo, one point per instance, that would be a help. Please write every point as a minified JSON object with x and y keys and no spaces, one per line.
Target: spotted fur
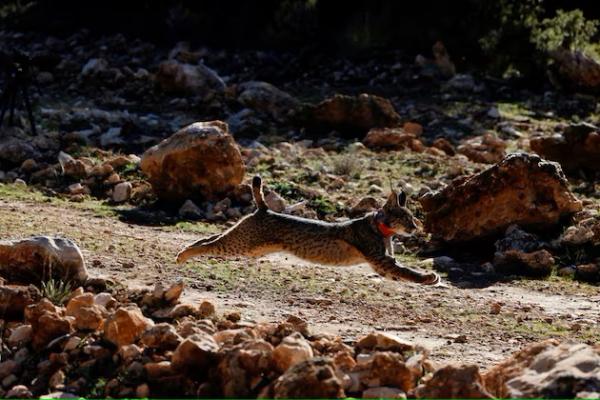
{"x":342,"y":243}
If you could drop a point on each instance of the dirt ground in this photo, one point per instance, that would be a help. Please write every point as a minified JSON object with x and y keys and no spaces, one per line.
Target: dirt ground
{"x":456,"y":322}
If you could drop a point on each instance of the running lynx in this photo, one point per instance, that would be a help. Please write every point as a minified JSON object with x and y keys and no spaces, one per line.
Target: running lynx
{"x":366,"y":239}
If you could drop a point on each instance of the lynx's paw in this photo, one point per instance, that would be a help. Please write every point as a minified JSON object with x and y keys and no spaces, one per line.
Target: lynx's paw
{"x":430,"y":279}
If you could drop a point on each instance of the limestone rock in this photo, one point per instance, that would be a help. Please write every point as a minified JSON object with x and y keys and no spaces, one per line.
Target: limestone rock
{"x":292,"y":350}
{"x":454,"y":381}
{"x":180,"y":78}
{"x":387,"y":369}
{"x":201,"y":161}
{"x":392,"y":139}
{"x":125,"y":326}
{"x":352,"y":115}
{"x":39,"y":258}
{"x":87,"y":314}
{"x":364,"y":205}
{"x":522,"y":189}
{"x":486,"y":149}
{"x":47,"y":323}
{"x":243,"y":365}
{"x":72,"y":168}
{"x":275,"y":202}
{"x":195,"y":354}
{"x":312,"y":378}
{"x":383,"y":392}
{"x":578,"y":147}
{"x":20,"y":335}
{"x":161,"y":336}
{"x":266,"y":98}
{"x":122,"y":192}
{"x":496,"y":377}
{"x":15,"y":298}
{"x":383,"y":341}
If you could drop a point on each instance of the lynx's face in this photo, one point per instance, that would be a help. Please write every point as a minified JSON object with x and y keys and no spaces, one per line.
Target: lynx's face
{"x":396,"y":215}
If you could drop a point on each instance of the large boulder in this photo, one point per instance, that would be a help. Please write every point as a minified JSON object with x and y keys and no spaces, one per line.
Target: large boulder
{"x":181,"y":78}
{"x":266,"y":98}
{"x":578,"y":147}
{"x":40,"y":258}
{"x":201,"y":161}
{"x":351,"y":115}
{"x":547,"y":370}
{"x":575,"y":70}
{"x":522,"y":189}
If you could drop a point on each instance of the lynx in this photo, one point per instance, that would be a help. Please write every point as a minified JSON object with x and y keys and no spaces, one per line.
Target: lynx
{"x":366,"y":239}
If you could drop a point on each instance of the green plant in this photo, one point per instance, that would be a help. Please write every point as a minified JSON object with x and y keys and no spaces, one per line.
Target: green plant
{"x":56,"y":291}
{"x":347,"y":165}
{"x":323,"y":206}
{"x":568,"y":29}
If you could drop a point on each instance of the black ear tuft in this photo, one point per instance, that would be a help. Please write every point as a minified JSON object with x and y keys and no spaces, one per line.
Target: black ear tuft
{"x":402,"y":199}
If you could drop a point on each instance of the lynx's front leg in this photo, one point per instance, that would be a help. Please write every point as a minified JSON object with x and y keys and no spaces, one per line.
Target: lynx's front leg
{"x":388,"y":266}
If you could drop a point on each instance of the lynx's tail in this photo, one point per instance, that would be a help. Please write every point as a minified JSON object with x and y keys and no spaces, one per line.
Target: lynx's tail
{"x":258,"y":193}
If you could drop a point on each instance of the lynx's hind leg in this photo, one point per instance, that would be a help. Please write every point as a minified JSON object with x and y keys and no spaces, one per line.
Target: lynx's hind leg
{"x":244,"y":239}
{"x":388,"y":267}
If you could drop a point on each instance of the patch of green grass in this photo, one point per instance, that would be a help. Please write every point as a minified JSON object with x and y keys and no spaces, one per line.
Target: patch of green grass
{"x":194,"y":227}
{"x":514,"y":110}
{"x":56,"y":291}
{"x":22,"y":193}
{"x":324,"y":206}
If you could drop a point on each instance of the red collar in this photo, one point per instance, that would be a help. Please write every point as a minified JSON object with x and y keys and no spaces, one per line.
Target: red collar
{"x":385,"y":230}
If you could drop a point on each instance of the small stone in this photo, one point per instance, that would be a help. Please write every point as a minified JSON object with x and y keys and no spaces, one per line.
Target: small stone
{"x":20,"y":182}
{"x":190,"y":210}
{"x":183,"y":310}
{"x":173,"y":293}
{"x":142,"y":391}
{"x":275,"y":202}
{"x":195,"y":353}
{"x":207,"y":309}
{"x":20,"y":335}
{"x":233,"y":316}
{"x":129,"y":352}
{"x":383,"y":392}
{"x":161,"y":336}
{"x":495,"y":308}
{"x":383,"y":341}
{"x":122,"y":192}
{"x":19,"y":392}
{"x":57,"y":380}
{"x":292,"y":350}
{"x":125,"y":326}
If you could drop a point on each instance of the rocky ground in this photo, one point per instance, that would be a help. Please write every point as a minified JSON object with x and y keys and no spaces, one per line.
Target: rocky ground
{"x":514,"y":238}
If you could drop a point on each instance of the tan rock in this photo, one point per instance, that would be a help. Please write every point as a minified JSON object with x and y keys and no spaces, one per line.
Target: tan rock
{"x":161,"y":336}
{"x":578,"y":147}
{"x":182,"y":78}
{"x":20,"y":335}
{"x":316,"y":377}
{"x":383,"y":341}
{"x":157,"y":370}
{"x":16,"y":298}
{"x":292,"y":350}
{"x":495,"y":378}
{"x":538,"y":263}
{"x":47,"y":323}
{"x":275,"y":202}
{"x":201,"y":161}
{"x":194,"y":354}
{"x":243,"y":365}
{"x":122,"y":192}
{"x":72,"y":168}
{"x":486,"y":149}
{"x":454,"y":381}
{"x":444,"y":145}
{"x":88,"y":315}
{"x":388,"y":369}
{"x":522,"y":189}
{"x":364,"y":205}
{"x":40,"y":258}
{"x":207,"y":309}
{"x":352,"y":114}
{"x":392,"y":139}
{"x":125,"y":326}
{"x":383,"y":392}
{"x":173,"y":293}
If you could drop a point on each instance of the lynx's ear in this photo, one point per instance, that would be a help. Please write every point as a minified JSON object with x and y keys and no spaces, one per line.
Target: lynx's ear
{"x":392,"y":200}
{"x":402,"y":199}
